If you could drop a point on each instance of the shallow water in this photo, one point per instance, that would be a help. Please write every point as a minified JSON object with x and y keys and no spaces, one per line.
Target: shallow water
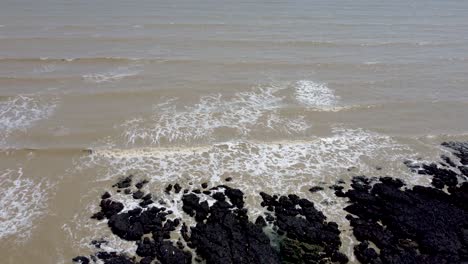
{"x":280,"y":96}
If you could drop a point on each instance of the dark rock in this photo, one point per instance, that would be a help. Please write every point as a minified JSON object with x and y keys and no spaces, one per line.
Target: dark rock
{"x":461,"y":148}
{"x":236,"y":197}
{"x":441,"y":176}
{"x":147,"y":197}
{"x":146,"y":248}
{"x":81,"y":260}
{"x":105,"y":195}
{"x":365,"y":254}
{"x":270,"y":218}
{"x":177,"y":188}
{"x":219,"y":196}
{"x":310,"y":239}
{"x":223,"y":232}
{"x":228,"y":179}
{"x":138,"y":195}
{"x":315,"y":189}
{"x":336,"y":187}
{"x":463,"y":170}
{"x":228,"y":237}
{"x":98,"y":216}
{"x":98,"y":243}
{"x":132,"y":227}
{"x":167,"y":253}
{"x":448,"y":161}
{"x":127,"y":191}
{"x":124,"y":182}
{"x":146,"y":260}
{"x":168,"y":188}
{"x":339,"y":257}
{"x":268,"y":200}
{"x":418,"y":225}
{"x":145,"y":203}
{"x":260,"y":221}
{"x":110,"y":208}
{"x":140,"y":184}
{"x":204,"y":185}
{"x":114,"y":258}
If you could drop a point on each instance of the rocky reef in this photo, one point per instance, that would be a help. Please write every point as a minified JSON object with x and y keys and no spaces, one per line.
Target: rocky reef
{"x":221,"y":231}
{"x":394,"y":223}
{"x":398,"y":224}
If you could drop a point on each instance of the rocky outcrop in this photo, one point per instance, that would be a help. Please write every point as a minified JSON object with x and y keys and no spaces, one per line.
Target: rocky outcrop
{"x":396,"y":224}
{"x":222,"y":233}
{"x":308,"y":238}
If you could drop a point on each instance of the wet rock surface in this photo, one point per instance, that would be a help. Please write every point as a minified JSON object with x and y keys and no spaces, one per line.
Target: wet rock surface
{"x":224,"y":234}
{"x":412,"y":225}
{"x":221,"y":232}
{"x":308,"y":237}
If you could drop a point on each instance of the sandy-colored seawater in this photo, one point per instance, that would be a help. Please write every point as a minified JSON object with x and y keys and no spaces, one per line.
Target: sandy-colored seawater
{"x":278,"y":95}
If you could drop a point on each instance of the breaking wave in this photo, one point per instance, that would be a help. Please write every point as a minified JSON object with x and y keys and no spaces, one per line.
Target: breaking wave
{"x":316,"y":95}
{"x":275,"y":164}
{"x":242,"y":113}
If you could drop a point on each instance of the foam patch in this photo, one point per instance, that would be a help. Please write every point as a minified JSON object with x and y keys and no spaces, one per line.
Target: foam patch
{"x":22,"y":202}
{"x":316,"y":95}
{"x":21,"y":112}
{"x":246,"y":111}
{"x":276,"y":164}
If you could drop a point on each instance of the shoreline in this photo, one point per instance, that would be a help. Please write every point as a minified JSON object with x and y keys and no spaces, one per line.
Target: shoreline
{"x":392,"y":222}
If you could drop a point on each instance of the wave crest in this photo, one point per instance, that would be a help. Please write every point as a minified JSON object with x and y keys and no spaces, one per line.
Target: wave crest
{"x":240,"y":114}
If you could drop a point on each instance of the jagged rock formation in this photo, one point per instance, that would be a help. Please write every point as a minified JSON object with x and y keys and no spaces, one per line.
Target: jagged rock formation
{"x":223,"y":232}
{"x":413,"y":225}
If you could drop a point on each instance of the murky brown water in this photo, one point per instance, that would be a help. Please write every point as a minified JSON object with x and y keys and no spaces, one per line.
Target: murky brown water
{"x":278,"y":95}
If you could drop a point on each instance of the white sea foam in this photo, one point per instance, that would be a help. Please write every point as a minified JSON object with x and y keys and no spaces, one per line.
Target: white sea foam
{"x":280,"y":167}
{"x":20,"y":112}
{"x":23,"y":200}
{"x":112,"y":75}
{"x":317,"y":95}
{"x":242,"y":113}
{"x":275,"y":163}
